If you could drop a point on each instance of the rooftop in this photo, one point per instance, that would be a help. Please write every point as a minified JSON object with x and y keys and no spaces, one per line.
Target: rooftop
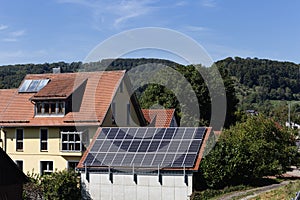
{"x":17,"y":108}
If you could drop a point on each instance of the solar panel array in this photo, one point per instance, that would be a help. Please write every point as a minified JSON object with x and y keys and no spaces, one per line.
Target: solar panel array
{"x":146,"y":147}
{"x":33,"y":85}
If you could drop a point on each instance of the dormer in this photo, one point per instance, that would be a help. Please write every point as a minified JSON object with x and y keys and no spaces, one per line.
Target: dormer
{"x":54,"y":96}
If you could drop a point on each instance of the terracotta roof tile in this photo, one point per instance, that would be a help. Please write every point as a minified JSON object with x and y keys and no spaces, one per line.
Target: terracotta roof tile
{"x":17,"y":109}
{"x":159,"y":117}
{"x":61,"y":87}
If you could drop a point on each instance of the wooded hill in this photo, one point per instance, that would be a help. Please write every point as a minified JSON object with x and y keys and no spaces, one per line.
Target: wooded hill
{"x":263,"y":79}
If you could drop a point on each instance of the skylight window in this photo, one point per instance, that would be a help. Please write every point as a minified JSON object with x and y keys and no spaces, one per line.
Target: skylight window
{"x":33,"y":85}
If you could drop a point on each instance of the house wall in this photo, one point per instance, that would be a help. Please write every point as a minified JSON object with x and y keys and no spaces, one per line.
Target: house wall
{"x":120,"y":102}
{"x":147,"y":187}
{"x":32,"y":155}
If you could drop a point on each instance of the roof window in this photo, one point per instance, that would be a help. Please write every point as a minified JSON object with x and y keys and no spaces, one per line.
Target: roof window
{"x":32,"y":85}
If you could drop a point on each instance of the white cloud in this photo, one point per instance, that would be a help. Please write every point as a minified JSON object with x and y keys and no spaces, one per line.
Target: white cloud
{"x":129,"y":9}
{"x":181,"y":3}
{"x":209,"y":3}
{"x":116,"y":13}
{"x":13,"y":36}
{"x":3,"y":27}
{"x":9,"y":40}
{"x":196,"y":28}
{"x":17,"y":33}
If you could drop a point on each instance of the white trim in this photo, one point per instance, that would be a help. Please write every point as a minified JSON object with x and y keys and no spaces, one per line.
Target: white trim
{"x":47,"y":170}
{"x":74,"y":142}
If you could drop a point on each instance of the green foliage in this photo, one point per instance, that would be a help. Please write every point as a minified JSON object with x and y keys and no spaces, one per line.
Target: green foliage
{"x":185,"y":88}
{"x":257,"y":81}
{"x":57,"y":185}
{"x":247,"y":151}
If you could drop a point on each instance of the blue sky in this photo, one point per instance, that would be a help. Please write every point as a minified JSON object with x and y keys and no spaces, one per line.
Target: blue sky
{"x":35,"y":31}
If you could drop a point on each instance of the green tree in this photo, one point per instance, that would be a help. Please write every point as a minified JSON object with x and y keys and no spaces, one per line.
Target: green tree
{"x":248,"y":151}
{"x":187,"y":81}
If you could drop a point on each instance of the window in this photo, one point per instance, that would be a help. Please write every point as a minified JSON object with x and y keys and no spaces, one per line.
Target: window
{"x":128,"y":114}
{"x":44,"y":139}
{"x":71,"y":141}
{"x":72,"y":164}
{"x":46,"y":167}
{"x":19,"y":139}
{"x":50,"y":108}
{"x":19,"y":163}
{"x":33,"y":85}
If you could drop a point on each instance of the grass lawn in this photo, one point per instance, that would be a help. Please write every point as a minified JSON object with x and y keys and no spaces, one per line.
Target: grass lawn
{"x":285,"y":192}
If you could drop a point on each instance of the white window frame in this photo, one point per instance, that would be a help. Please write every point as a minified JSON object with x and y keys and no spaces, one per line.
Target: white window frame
{"x":48,"y":170}
{"x":56,"y":112}
{"x":44,"y":141}
{"x":17,"y":141}
{"x":71,"y":145}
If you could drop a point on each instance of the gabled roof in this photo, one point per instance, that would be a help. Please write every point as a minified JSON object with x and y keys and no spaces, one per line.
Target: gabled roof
{"x":98,"y":90}
{"x":159,"y":117}
{"x":9,"y":172}
{"x":173,"y":148}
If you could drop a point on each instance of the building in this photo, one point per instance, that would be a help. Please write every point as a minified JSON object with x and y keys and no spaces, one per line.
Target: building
{"x":49,"y":121}
{"x":143,"y":163}
{"x":11,"y":178}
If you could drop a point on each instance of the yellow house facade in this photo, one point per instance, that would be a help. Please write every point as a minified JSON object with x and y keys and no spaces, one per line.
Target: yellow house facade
{"x":50,"y":120}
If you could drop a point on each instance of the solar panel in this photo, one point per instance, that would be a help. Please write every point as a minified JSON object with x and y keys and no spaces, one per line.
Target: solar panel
{"x":33,"y":85}
{"x":24,"y":85}
{"x":146,"y":147}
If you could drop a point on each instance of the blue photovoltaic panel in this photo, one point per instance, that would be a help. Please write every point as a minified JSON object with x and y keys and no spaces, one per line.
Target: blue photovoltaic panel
{"x":146,"y":147}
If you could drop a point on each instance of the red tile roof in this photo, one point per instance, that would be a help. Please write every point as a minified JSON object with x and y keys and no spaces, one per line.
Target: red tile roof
{"x":159,"y":117}
{"x":60,"y":87}
{"x":17,"y":109}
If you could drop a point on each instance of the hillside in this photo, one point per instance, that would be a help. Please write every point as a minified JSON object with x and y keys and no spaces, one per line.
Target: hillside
{"x":263,"y":84}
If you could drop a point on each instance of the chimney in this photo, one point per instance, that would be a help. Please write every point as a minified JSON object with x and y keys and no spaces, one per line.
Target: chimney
{"x":56,"y":70}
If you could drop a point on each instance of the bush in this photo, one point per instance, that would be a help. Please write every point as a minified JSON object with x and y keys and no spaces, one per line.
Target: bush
{"x":248,"y":151}
{"x":57,"y":185}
